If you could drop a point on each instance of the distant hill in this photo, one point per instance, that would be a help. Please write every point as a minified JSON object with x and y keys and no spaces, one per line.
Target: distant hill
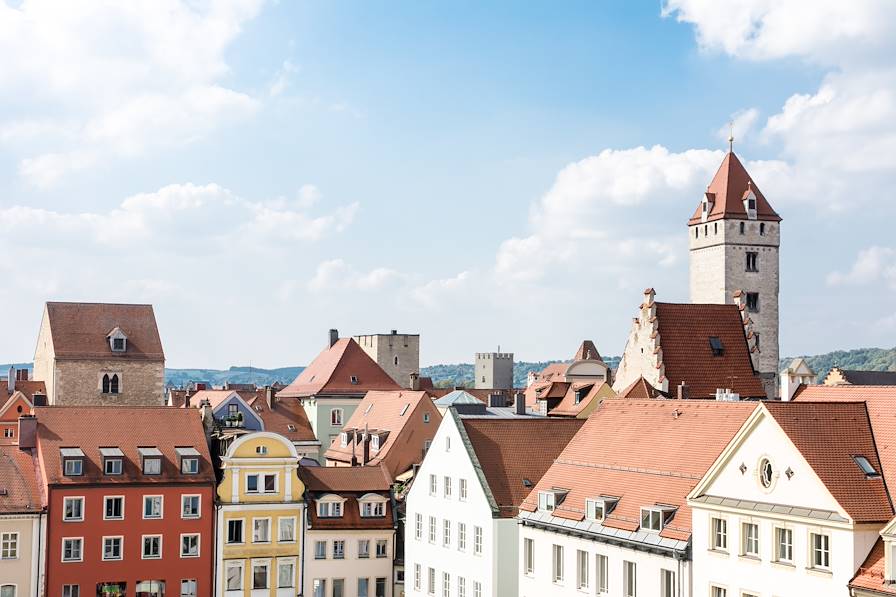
{"x":461,"y":374}
{"x":866,"y":359}
{"x":217,"y":377}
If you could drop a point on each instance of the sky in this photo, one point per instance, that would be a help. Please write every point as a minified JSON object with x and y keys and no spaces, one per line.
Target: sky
{"x":483,"y":174}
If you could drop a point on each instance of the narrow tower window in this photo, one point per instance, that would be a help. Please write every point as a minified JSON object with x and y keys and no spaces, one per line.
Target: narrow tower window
{"x":752,"y":261}
{"x":742,"y":227}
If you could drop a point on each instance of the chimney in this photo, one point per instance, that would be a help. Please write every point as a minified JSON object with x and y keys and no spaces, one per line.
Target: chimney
{"x":11,"y":381}
{"x":187,"y":399}
{"x":270,"y":396}
{"x":683,"y":392}
{"x":394,"y":332}
{"x":21,"y":375}
{"x":334,"y":337}
{"x":519,"y":401}
{"x":27,"y":432}
{"x":414,"y":381}
{"x":39,"y":399}
{"x":365,"y":448}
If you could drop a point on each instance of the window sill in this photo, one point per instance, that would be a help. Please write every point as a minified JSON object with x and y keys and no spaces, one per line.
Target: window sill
{"x":719,"y":552}
{"x":783,"y":564}
{"x":71,"y":561}
{"x":73,"y":520}
{"x":820,"y":571}
{"x":187,"y":556}
{"x":749,"y":557}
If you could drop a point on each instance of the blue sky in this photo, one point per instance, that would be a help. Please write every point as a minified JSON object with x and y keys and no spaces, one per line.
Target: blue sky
{"x":500,"y":173}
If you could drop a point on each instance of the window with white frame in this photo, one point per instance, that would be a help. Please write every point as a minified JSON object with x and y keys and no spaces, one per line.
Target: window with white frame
{"x":549,"y":500}
{"x":152,"y":547}
{"x":382,"y":548}
{"x":363,"y":587}
{"x":717,"y":591}
{"x":9,"y":546}
{"x":820,"y":546}
{"x":432,"y":529}
{"x":749,"y":533}
{"x":339,"y":549}
{"x":477,"y":588}
{"x":557,"y":563}
{"x":477,"y":541}
{"x":433,"y":485}
{"x":629,"y":579}
{"x":71,"y":590}
{"x":286,"y":529}
{"x":463,"y":489}
{"x":447,"y":443}
{"x":417,"y":575}
{"x":447,"y":489}
{"x":152,"y":506}
{"x":431,"y":581}
{"x":261,"y":483}
{"x":189,"y":506}
{"x":446,"y":533}
{"x":363,"y":548}
{"x":446,"y":584}
{"x":261,"y":574}
{"x":596,"y":509}
{"x":329,"y":507}
{"x":188,"y":587}
{"x":286,"y":574}
{"x":261,"y":530}
{"x":319,"y":587}
{"x":112,"y":466}
{"x":112,"y":548}
{"x":343,"y":439}
{"x":667,"y":583}
{"x":320,"y":550}
{"x":462,"y":536}
{"x":461,"y":586}
{"x":73,"y":509}
{"x":113,"y":507}
{"x":189,"y":465}
{"x":235,"y":531}
{"x":336,"y":417}
{"x":372,"y":509}
{"x":654,"y":519}
{"x":375,"y":443}
{"x":582,"y":579}
{"x":528,"y":556}
{"x":601,"y":573}
{"x":719,"y":534}
{"x":189,"y":545}
{"x":418,"y":526}
{"x":72,"y":549}
{"x":73,"y":467}
{"x":783,"y":545}
{"x":234,"y":576}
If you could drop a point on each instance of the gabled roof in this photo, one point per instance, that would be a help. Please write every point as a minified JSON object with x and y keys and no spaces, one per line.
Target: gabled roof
{"x":457,"y":397}
{"x":31,"y":387}
{"x":640,"y":389}
{"x":587,"y":351}
{"x":510,"y":452}
{"x":90,"y":428}
{"x":829,"y":435}
{"x":685,"y":330}
{"x":567,"y":407}
{"x":401,"y":415}
{"x":871,"y":575}
{"x":80,"y":330}
{"x":645,"y":453}
{"x":799,"y":366}
{"x":331,"y":372}
{"x":23,"y":401}
{"x":287,"y":418}
{"x":727,"y":190}
{"x":19,"y":478}
{"x":349,"y":483}
{"x":881,"y":404}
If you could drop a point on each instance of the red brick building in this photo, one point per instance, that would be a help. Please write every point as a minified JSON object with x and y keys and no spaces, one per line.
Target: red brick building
{"x":130,"y":506}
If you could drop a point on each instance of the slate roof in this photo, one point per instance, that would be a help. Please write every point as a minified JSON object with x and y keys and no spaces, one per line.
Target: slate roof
{"x":127,"y":428}
{"x":685,"y":330}
{"x":871,"y":575}
{"x":645,"y":453}
{"x":511,"y":450}
{"x":80,"y":330}
{"x":19,"y":477}
{"x":728,"y":188}
{"x":828,"y":435}
{"x":332,"y":370}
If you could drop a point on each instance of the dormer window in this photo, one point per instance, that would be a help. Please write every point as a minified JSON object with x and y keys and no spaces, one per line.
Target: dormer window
{"x":655,"y":518}
{"x":343,"y":439}
{"x":188,"y":457}
{"x":579,"y":395}
{"x":112,"y":460}
{"x":354,"y":380}
{"x":150,"y":461}
{"x":375,"y":443}
{"x":118,"y":341}
{"x":372,"y":505}
{"x":750,"y":203}
{"x":330,"y":506}
{"x":72,"y":462}
{"x":596,"y":509}
{"x":549,"y":500}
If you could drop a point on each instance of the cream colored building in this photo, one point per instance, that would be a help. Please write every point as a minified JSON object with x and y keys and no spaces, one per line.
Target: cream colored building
{"x":22,"y":526}
{"x":99,"y":354}
{"x":260,"y":521}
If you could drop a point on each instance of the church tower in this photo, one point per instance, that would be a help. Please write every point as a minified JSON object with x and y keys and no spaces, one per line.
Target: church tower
{"x":735,"y":236}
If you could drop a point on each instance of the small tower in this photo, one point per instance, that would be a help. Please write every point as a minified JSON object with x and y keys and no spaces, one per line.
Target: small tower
{"x":734,"y":237}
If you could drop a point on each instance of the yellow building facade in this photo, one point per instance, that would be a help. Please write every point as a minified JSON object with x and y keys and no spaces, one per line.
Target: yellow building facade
{"x":260,"y":519}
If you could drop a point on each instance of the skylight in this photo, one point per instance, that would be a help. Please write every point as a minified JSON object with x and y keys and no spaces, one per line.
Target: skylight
{"x":715,"y":343}
{"x":866,"y":466}
{"x":404,"y":409}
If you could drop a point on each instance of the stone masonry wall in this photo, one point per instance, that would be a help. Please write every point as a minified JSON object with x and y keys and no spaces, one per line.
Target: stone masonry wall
{"x":383,"y":348}
{"x":79,"y":382}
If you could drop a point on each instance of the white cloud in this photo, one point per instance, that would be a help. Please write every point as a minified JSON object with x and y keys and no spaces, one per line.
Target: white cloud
{"x":435,"y":292}
{"x":282,"y":78}
{"x":874,"y":264}
{"x":103,"y":80}
{"x":741,"y":125}
{"x":336,"y":274}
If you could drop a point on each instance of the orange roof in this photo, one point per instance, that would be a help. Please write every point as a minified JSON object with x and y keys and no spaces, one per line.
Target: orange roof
{"x":567,"y":407}
{"x":512,"y":451}
{"x":640,"y":389}
{"x":332,"y":371}
{"x":828,"y":435}
{"x":685,"y":330}
{"x":871,"y":576}
{"x":19,"y":479}
{"x":657,"y":452}
{"x":401,"y":416}
{"x":126,"y":428}
{"x":30,"y":388}
{"x":287,"y":418}
{"x":215,"y":397}
{"x":587,"y":351}
{"x":80,"y":330}
{"x":881,"y":404}
{"x":727,"y":190}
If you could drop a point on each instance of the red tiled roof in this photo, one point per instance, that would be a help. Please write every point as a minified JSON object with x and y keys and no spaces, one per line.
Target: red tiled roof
{"x":728,"y":188}
{"x":80,"y":330}
{"x":828,"y":435}
{"x":685,"y":330}
{"x":587,"y":351}
{"x":332,"y":370}
{"x":640,"y":389}
{"x":881,"y":404}
{"x":401,"y":415}
{"x":286,"y":412}
{"x":30,"y":388}
{"x":19,"y":479}
{"x":645,"y":453}
{"x":567,"y":407}
{"x":871,"y":576}
{"x":126,"y":428}
{"x":350,"y":483}
{"x":512,"y":450}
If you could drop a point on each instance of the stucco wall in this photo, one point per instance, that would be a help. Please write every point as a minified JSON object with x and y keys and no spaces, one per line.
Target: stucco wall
{"x":351,"y":568}
{"x":25,"y":572}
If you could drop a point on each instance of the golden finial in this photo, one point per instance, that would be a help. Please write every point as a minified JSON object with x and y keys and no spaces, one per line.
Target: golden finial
{"x":730,"y":136}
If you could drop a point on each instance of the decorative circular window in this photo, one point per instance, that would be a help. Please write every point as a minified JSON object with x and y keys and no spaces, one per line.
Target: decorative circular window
{"x":766,"y":473}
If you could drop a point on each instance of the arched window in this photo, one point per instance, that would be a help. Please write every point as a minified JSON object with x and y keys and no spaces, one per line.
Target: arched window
{"x":113,"y":384}
{"x":106,"y":383}
{"x":8,"y":591}
{"x":395,"y":360}
{"x":696,"y":233}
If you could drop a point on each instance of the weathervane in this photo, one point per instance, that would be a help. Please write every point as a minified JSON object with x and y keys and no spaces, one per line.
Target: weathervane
{"x":730,"y":136}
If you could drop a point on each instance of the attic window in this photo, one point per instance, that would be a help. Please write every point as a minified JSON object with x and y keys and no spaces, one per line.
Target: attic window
{"x":527,"y":482}
{"x":375,"y":442}
{"x":343,"y":439}
{"x":354,"y":380}
{"x":579,"y":395}
{"x":426,"y":417}
{"x":596,"y":509}
{"x":404,"y":409}
{"x":151,"y":460}
{"x":118,"y":344}
{"x":715,"y":343}
{"x":290,"y":427}
{"x":549,"y":500}
{"x":655,"y":518}
{"x":866,"y":467}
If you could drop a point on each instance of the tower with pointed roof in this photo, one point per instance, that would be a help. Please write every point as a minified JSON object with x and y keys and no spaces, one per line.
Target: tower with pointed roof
{"x":735,"y":237}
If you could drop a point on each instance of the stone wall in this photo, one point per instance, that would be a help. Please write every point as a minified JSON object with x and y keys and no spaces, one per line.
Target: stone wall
{"x":79,"y":382}
{"x":386,"y":348}
{"x":642,"y":356}
{"x":493,"y":370}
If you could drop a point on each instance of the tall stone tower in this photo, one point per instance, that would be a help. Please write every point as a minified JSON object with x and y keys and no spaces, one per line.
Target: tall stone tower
{"x":735,"y":236}
{"x":397,"y":354}
{"x":493,"y":370}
